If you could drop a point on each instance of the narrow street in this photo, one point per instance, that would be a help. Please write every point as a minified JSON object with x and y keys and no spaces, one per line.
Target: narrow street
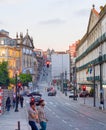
{"x":64,"y":113}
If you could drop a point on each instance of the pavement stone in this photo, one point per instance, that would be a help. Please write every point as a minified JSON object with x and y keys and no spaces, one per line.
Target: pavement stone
{"x":9,"y":120}
{"x":88,"y":101}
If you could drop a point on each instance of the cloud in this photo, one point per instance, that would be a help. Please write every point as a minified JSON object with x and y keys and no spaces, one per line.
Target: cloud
{"x":52,"y":21}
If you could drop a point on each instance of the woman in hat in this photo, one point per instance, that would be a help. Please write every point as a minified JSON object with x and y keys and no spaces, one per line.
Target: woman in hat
{"x":33,"y":116}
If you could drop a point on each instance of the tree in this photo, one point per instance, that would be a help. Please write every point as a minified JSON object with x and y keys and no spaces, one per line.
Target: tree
{"x":13,"y":81}
{"x":4,"y":75}
{"x":25,"y":78}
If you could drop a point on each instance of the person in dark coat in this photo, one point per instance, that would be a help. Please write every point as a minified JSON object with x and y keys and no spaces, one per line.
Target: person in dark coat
{"x":14,"y":102}
{"x":8,"y":104}
{"x":21,"y":101}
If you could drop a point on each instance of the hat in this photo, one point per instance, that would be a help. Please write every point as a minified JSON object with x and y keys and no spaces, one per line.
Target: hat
{"x":32,"y":103}
{"x":41,"y":100}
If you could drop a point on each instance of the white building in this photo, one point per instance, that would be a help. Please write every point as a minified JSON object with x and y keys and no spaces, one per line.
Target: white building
{"x":91,"y":52}
{"x":60,"y":63}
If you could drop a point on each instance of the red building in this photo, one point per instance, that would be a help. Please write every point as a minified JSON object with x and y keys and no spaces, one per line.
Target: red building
{"x":72,"y":49}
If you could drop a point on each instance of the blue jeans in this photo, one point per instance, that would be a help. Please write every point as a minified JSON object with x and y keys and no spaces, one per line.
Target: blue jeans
{"x":43,"y":125}
{"x":33,"y":125}
{"x":8,"y":108}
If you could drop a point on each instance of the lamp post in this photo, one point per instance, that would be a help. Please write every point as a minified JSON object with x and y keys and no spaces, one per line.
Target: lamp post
{"x":74,"y":82}
{"x":62,"y":82}
{"x":94,"y":85}
{"x":16,"y":107}
{"x":101,"y":88}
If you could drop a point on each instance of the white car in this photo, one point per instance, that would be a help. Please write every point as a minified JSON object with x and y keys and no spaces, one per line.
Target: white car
{"x":71,"y":95}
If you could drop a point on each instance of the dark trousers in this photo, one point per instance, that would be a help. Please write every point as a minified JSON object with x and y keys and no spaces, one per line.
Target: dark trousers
{"x":33,"y":125}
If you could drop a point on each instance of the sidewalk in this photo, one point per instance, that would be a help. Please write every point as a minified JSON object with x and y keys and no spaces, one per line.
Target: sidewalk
{"x":88,"y":101}
{"x":9,"y":120}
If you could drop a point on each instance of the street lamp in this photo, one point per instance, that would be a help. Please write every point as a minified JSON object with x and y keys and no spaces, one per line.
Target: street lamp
{"x":16,"y":107}
{"x":94,"y":85}
{"x":101,"y":88}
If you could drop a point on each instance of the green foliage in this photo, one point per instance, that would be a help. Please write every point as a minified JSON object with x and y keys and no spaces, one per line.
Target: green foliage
{"x":4,"y":76}
{"x":13,"y":81}
{"x":25,"y":78}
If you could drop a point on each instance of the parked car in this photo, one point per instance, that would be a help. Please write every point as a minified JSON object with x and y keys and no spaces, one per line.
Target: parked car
{"x":34,"y":93}
{"x":49,"y":89}
{"x":84,"y":94}
{"x":71,"y":95}
{"x":52,"y":93}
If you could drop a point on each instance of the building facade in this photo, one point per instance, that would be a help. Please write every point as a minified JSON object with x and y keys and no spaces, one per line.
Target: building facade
{"x":91,"y":54}
{"x":28,"y":60}
{"x":72,"y":52}
{"x":10,"y":53}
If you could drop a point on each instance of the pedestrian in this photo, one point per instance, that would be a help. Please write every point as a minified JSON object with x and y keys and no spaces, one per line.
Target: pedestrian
{"x":33,"y":116}
{"x":8,"y":103}
{"x":41,"y":114}
{"x":14,"y":102}
{"x":21,"y":101}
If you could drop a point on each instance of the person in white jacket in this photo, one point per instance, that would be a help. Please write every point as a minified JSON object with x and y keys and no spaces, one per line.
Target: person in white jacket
{"x":41,"y":115}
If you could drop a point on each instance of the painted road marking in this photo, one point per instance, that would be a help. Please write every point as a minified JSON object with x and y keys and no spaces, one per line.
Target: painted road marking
{"x":53,"y":112}
{"x":51,"y":102}
{"x":101,"y":123}
{"x":77,"y":129}
{"x":57,"y":116}
{"x":54,"y":105}
{"x":90,"y":119}
{"x":64,"y":121}
{"x":73,"y":111}
{"x":82,"y":115}
{"x":70,"y":125}
{"x":48,"y":108}
{"x":67,"y":103}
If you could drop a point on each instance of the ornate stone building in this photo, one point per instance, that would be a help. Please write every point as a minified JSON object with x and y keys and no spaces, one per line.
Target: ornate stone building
{"x":9,"y":52}
{"x":28,"y":61}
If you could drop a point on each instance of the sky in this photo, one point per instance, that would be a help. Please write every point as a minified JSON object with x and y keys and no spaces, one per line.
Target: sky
{"x":53,"y":24}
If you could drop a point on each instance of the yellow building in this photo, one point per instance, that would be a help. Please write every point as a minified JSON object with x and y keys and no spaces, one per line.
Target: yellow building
{"x":9,"y":52}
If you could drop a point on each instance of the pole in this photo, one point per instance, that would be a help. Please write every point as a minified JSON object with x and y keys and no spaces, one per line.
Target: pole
{"x":65,"y":83}
{"x":19,"y":125}
{"x":62,"y":82}
{"x":75,"y":87}
{"x":16,"y":108}
{"x":101,"y":88}
{"x":94,"y":86}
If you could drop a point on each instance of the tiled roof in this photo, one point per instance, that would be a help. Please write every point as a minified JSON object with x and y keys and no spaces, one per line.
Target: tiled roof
{"x":95,"y":12}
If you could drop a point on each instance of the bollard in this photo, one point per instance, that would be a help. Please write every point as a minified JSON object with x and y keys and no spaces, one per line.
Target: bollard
{"x":19,"y":125}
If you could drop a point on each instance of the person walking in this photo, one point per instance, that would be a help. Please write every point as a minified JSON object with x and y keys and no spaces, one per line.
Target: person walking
{"x":33,"y":116}
{"x":14,"y":102}
{"x":21,"y":101}
{"x":8,"y":103}
{"x":41,"y":114}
